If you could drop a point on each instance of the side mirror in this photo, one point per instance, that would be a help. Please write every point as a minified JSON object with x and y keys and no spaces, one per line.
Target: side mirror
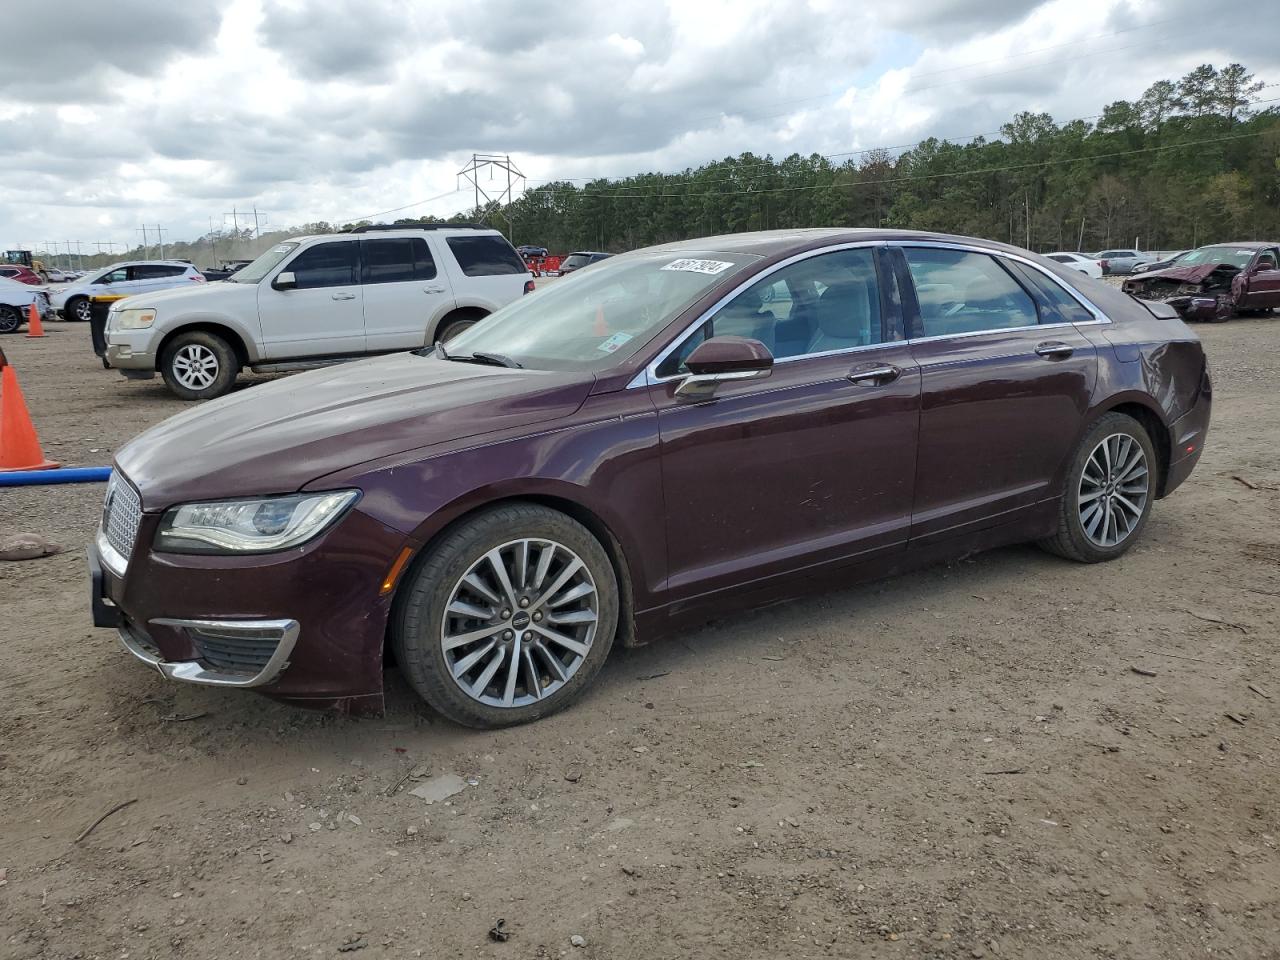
{"x":723,"y":360}
{"x":285,"y":281}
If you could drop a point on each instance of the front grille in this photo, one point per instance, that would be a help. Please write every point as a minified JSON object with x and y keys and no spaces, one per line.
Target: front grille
{"x":121,"y":514}
{"x":239,"y":653}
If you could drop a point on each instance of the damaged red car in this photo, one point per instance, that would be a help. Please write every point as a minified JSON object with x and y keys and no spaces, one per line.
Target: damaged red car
{"x":1216,"y":282}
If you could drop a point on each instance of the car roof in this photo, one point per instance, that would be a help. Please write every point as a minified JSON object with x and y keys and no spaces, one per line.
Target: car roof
{"x":1246,"y":244}
{"x":406,"y":231}
{"x":771,"y":243}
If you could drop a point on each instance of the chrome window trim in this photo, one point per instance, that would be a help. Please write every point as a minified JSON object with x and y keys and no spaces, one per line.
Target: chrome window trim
{"x":649,"y":376}
{"x":1098,"y":316}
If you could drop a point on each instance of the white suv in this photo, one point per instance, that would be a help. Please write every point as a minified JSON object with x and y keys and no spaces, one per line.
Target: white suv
{"x":315,"y":300}
{"x":129,"y":278}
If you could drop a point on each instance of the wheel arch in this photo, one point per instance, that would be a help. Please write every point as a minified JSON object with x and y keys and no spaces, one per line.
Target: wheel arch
{"x":1145,"y":411}
{"x":470,"y":312}
{"x":570,"y":507}
{"x":226,"y":332}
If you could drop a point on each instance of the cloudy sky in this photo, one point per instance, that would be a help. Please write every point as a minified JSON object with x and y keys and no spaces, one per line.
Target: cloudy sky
{"x":114,"y":114}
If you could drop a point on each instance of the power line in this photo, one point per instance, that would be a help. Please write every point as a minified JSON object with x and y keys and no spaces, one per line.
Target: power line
{"x":416,"y":203}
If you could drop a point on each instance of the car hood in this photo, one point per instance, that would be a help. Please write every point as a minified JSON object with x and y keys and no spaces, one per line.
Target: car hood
{"x":277,"y":437}
{"x":192,"y":290}
{"x":1193,"y":274}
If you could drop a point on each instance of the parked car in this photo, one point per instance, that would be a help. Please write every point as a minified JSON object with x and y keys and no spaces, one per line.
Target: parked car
{"x":583,"y":258}
{"x":227,"y":268}
{"x":1215,"y":282}
{"x":529,"y":252}
{"x":20,"y":274}
{"x":1122,"y":261}
{"x":313,"y":300}
{"x":675,"y":434}
{"x":132,"y":277}
{"x":59,"y":276}
{"x":15,"y":304}
{"x":1087,"y":265}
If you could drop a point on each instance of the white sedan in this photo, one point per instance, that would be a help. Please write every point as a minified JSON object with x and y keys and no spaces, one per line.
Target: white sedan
{"x":15,"y":301}
{"x":1078,"y":261}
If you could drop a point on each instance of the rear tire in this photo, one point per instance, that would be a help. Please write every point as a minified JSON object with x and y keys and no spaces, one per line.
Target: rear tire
{"x":451,"y":330}
{"x":457,"y":591}
{"x":199,"y":365}
{"x":1110,"y":486}
{"x":10,"y":319}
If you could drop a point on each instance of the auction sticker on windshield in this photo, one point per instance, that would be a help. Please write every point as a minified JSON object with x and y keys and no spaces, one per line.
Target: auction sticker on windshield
{"x":699,"y":266}
{"x":614,"y":342}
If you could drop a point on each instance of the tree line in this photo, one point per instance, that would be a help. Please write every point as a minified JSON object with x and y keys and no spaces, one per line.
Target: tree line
{"x":1191,"y":161}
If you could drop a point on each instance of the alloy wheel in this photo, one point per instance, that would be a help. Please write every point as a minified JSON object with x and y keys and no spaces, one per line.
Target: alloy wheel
{"x":10,"y":319}
{"x":1113,"y":492}
{"x":83,"y":310}
{"x":195,"y":366}
{"x":519,"y":623}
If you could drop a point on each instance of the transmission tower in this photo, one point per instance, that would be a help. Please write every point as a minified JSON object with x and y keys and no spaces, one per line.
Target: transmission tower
{"x":498,"y":165}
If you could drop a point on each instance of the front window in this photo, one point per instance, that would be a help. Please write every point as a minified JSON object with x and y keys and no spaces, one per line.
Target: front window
{"x":574,"y":260}
{"x":259,"y":268}
{"x":331,"y":264}
{"x":1233,"y":256}
{"x":114,"y":276}
{"x":593,"y":320}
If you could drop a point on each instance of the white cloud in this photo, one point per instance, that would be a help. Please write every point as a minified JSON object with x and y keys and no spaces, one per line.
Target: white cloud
{"x":333,"y":109}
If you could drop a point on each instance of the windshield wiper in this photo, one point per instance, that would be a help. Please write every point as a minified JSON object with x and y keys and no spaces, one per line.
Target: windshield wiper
{"x":480,"y":356}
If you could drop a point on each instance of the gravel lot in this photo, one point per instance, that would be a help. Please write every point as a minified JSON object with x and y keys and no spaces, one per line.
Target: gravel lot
{"x":958,"y":763}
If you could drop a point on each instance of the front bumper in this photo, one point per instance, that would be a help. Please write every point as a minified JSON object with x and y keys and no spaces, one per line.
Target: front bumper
{"x":305,"y":625}
{"x":127,"y":354}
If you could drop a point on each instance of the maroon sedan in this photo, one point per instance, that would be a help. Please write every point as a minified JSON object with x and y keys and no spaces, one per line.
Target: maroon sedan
{"x":675,"y":433}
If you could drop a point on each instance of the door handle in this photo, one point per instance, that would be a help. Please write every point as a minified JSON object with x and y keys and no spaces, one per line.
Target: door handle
{"x":876,"y":374}
{"x":1054,"y":350}
{"x":433,"y":289}
{"x":344,"y":296}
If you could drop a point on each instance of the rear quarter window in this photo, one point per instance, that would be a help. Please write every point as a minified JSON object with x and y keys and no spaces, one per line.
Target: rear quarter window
{"x":486,"y":256}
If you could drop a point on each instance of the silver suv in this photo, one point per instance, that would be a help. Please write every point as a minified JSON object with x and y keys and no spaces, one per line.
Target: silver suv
{"x":317,"y":299}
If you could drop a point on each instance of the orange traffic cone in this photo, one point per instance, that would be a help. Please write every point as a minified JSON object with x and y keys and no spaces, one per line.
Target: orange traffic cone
{"x":34,"y":327}
{"x":19,"y":445}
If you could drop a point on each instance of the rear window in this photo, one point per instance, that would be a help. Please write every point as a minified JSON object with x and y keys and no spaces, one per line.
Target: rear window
{"x":1062,"y":257}
{"x":486,"y":256}
{"x":1050,"y":294}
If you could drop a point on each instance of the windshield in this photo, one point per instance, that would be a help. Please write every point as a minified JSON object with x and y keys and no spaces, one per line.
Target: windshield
{"x":1235,"y":256}
{"x":264,"y":264}
{"x":575,"y":260}
{"x":596,"y":318}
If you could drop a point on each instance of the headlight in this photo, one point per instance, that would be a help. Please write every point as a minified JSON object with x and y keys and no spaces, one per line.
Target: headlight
{"x":260,"y":525}
{"x":132,"y":319}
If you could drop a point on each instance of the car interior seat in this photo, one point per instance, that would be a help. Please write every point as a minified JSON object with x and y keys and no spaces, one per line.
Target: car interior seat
{"x":847,"y":313}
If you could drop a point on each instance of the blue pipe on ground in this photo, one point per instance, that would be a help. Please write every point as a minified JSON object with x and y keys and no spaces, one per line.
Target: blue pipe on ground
{"x":29,"y":478}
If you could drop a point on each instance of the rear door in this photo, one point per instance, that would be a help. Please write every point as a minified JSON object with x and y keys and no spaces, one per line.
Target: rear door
{"x":324,"y":314}
{"x":1006,"y":381}
{"x":404,"y":292}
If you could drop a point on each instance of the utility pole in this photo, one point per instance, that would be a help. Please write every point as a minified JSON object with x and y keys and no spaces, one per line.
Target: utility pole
{"x":79,"y":256}
{"x":235,"y":221}
{"x":143,"y":230}
{"x":257,"y":231}
{"x":160,"y":232}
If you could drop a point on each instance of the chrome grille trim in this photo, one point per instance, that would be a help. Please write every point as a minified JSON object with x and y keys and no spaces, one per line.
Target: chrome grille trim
{"x":121,"y":515}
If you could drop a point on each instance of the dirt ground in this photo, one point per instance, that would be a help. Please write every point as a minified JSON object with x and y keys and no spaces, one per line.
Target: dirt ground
{"x":959,"y":763}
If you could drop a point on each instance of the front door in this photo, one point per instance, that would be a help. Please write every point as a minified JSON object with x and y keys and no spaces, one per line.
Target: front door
{"x":323,"y":314}
{"x":1005,"y":385}
{"x":811,"y":465}
{"x":402,"y":292}
{"x":1262,"y":286}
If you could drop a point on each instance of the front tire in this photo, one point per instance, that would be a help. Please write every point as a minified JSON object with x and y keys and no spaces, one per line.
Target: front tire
{"x":199,"y":365}
{"x":507,"y":619}
{"x":453,"y":329}
{"x":1110,"y":487}
{"x":78,"y":308}
{"x":10,"y":319}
